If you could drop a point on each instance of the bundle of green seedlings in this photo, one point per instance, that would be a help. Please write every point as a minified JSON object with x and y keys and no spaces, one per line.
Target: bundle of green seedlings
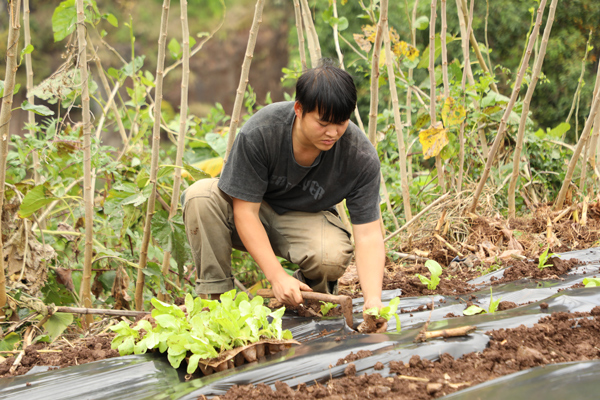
{"x":207,"y":329}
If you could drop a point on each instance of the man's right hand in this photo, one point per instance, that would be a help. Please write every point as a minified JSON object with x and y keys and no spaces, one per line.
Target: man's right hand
{"x":287,"y":289}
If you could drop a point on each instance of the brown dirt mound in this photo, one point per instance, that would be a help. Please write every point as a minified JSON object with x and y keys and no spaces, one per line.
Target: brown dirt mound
{"x":86,"y":350}
{"x":560,"y":337}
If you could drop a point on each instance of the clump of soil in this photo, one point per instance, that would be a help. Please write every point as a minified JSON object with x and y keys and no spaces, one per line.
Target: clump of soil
{"x":560,"y":337}
{"x":84,"y":351}
{"x":353,"y":357}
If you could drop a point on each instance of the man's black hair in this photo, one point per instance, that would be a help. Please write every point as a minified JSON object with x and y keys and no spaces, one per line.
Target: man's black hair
{"x":329,"y":90}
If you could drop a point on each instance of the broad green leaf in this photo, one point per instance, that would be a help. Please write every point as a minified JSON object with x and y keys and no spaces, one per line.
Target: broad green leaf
{"x":433,"y":267}
{"x":26,"y":50}
{"x":64,"y":20}
{"x":10,"y":341}
{"x":193,"y":363}
{"x":57,"y":324}
{"x":111,"y":19}
{"x":131,"y":68}
{"x":473,"y":310}
{"x":127,"y":347}
{"x":591,"y":282}
{"x":35,"y":199}
{"x":196,"y":173}
{"x":175,"y":49}
{"x":217,"y":142}
{"x":38,"y":109}
{"x":422,"y":23}
{"x":559,"y":131}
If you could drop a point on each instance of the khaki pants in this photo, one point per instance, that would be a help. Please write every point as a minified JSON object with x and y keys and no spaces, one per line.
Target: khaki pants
{"x":317,"y":242}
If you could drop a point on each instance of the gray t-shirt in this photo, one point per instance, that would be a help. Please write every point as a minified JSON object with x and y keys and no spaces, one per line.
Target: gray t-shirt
{"x":261,"y":166}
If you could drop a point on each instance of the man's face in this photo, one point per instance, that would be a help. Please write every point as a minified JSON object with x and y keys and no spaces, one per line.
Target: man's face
{"x":316,"y":133}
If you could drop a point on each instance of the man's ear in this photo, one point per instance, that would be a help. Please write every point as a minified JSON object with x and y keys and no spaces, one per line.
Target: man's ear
{"x":298,"y":109}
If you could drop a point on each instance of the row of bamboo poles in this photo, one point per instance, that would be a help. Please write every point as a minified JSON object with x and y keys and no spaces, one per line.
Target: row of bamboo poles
{"x":307,"y":37}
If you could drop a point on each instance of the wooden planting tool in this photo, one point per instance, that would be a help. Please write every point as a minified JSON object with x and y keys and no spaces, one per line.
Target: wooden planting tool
{"x":344,"y":301}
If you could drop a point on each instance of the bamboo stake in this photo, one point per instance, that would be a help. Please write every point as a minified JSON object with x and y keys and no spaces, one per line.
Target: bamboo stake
{"x":314,"y":47}
{"x":12,"y":51}
{"x":513,"y":98}
{"x":300,"y":31}
{"x":397,"y":122}
{"x":30,"y":97}
{"x":409,"y":90}
{"x":340,"y":206}
{"x":160,"y":62}
{"x":432,"y":86}
{"x":584,"y":136}
{"x":375,"y":74}
{"x":594,"y":145}
{"x":590,"y":144}
{"x":88,"y":199}
{"x":539,"y":62}
{"x":183,"y":111}
{"x":475,"y":45}
{"x":445,"y":333}
{"x":444,"y":51}
{"x":468,"y":74}
{"x":239,"y":98}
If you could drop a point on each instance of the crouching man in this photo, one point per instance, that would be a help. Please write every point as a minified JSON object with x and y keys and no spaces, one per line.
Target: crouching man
{"x":291,"y":163}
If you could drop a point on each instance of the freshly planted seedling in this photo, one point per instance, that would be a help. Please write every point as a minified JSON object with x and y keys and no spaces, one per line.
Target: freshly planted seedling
{"x":209,"y":328}
{"x":591,"y":282}
{"x":386,"y":312}
{"x":545,"y":257}
{"x":436,"y":270}
{"x":326,"y":307}
{"x":473,"y":310}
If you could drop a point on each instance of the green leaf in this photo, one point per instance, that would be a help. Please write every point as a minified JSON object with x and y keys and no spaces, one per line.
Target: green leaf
{"x":35,"y":199}
{"x":175,"y":49}
{"x":38,"y":109}
{"x":217,"y":143}
{"x":57,"y":324}
{"x":559,"y":131}
{"x":326,"y":307}
{"x":10,"y":341}
{"x":26,"y":50}
{"x":111,"y":19}
{"x":473,"y":310}
{"x":64,"y":20}
{"x":193,"y":363}
{"x":196,"y":173}
{"x":591,"y":282}
{"x":422,"y":23}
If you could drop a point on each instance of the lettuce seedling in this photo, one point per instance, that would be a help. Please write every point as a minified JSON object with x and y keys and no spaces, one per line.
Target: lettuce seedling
{"x":545,"y":257}
{"x":326,"y":307}
{"x":473,"y":310}
{"x":387,"y":312}
{"x":436,"y":270}
{"x":209,"y":328}
{"x":591,"y":282}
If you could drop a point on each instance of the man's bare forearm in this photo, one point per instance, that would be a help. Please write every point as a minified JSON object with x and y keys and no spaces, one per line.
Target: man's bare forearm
{"x":255,"y":239}
{"x":370,"y":261}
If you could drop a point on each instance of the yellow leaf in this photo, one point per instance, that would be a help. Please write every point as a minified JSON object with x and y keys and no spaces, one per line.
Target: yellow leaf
{"x":370,"y":32}
{"x":433,"y":140}
{"x":452,"y":113}
{"x":262,"y":284}
{"x":211,"y":166}
{"x":402,"y":48}
{"x":362,"y":42}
